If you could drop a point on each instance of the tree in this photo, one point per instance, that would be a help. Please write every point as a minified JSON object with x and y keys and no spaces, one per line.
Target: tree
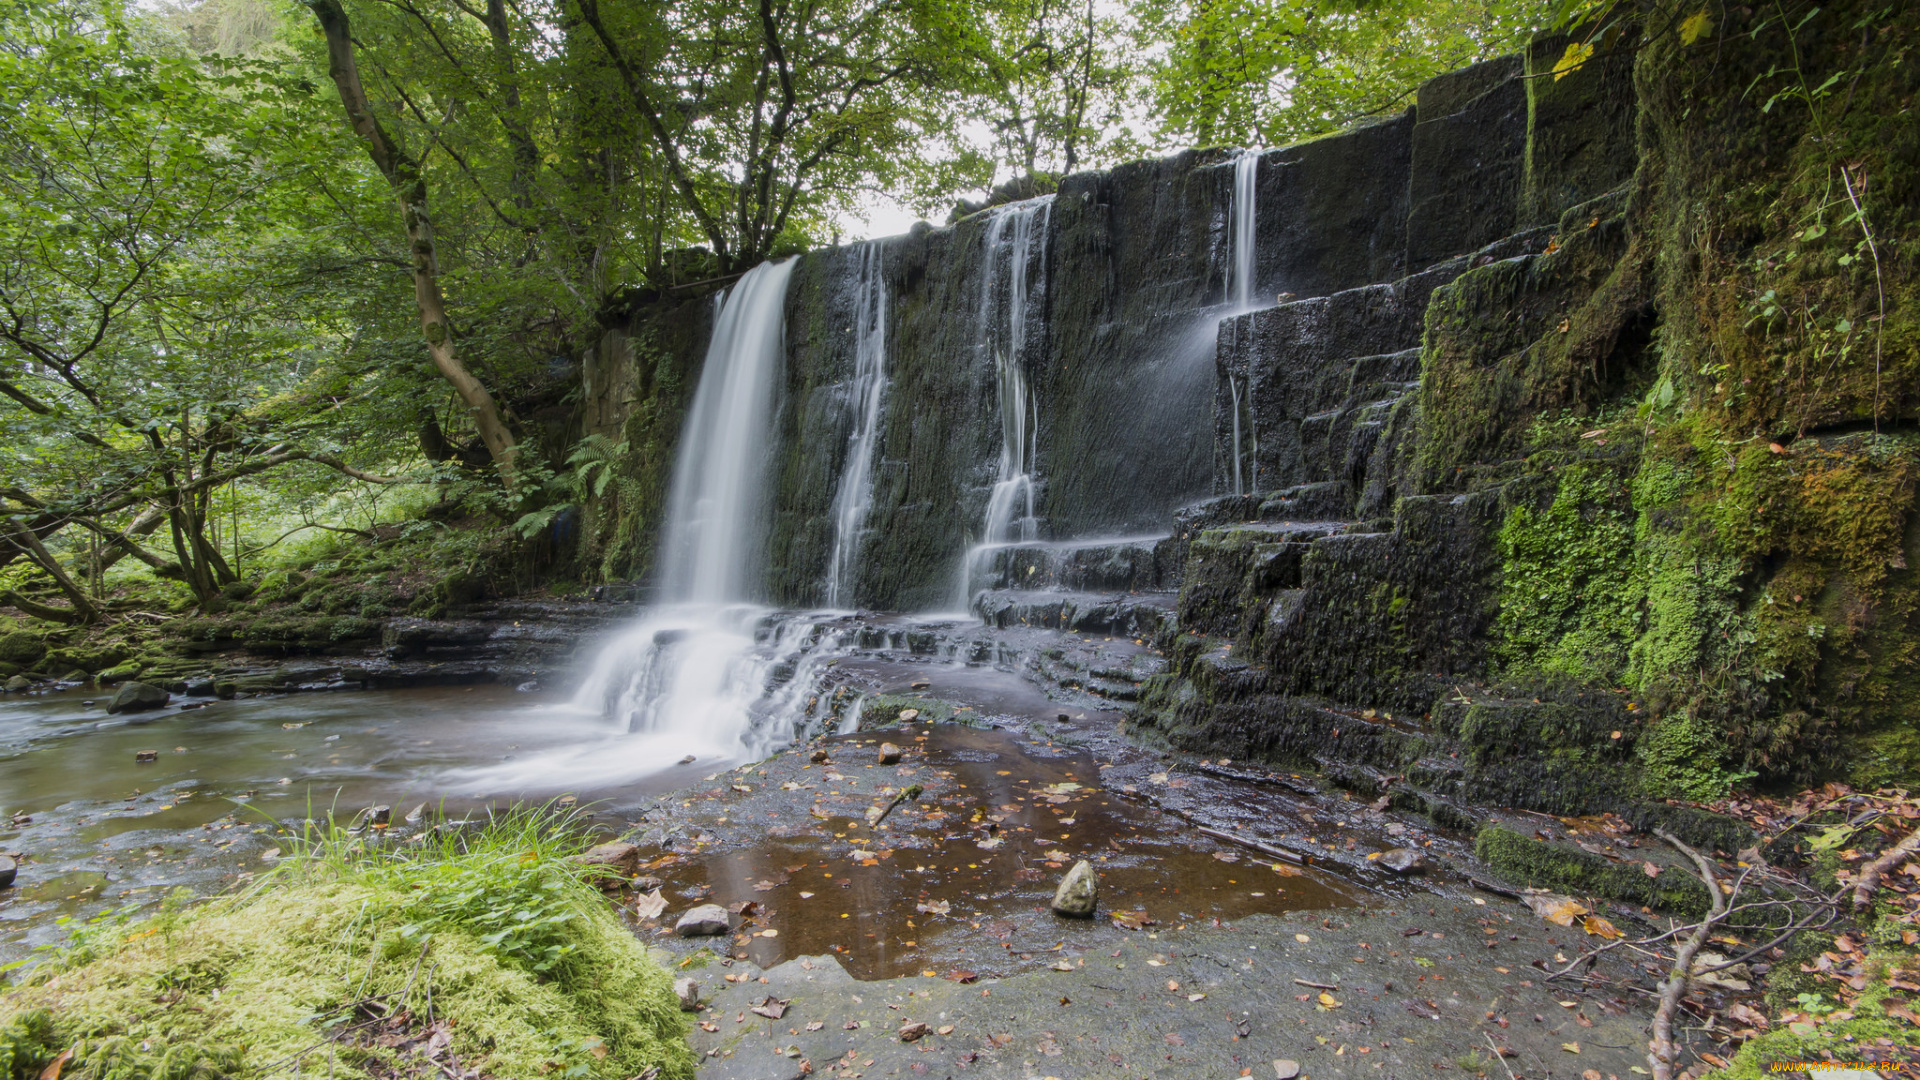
{"x":408,"y":182}
{"x":1268,"y":72}
{"x":763,"y":113}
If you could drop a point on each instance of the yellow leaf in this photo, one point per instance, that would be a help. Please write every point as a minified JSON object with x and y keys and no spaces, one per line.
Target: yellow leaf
{"x":1600,"y":927}
{"x":1571,"y":1048}
{"x":1577,"y":54}
{"x":1329,"y":1001}
{"x":1695,"y":26}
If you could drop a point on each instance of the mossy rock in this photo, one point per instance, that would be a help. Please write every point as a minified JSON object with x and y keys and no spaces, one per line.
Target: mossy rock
{"x":22,"y":647}
{"x":1526,"y":861}
{"x":120,"y":673}
{"x":87,"y":657}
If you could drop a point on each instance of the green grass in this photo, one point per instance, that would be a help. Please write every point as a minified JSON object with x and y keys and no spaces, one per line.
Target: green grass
{"x":491,"y":927}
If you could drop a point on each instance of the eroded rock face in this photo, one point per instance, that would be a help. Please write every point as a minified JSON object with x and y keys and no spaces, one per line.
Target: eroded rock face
{"x":136,"y":697}
{"x":1079,"y":892}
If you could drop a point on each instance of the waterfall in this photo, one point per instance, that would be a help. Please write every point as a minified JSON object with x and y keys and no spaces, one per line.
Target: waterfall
{"x":1008,"y":250}
{"x":1233,"y":389}
{"x":715,"y":521}
{"x":1240,"y":275}
{"x":864,"y":398}
{"x":707,"y":675}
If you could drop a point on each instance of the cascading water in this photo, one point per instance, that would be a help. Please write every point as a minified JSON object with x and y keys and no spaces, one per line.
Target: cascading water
{"x":709,"y":674}
{"x":1240,"y":274}
{"x":1006,"y":283}
{"x":864,"y":398}
{"x":715,"y":518}
{"x":1244,"y":232}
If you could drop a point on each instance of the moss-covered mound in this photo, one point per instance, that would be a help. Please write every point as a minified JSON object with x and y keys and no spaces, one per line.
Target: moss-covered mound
{"x":472,"y":956}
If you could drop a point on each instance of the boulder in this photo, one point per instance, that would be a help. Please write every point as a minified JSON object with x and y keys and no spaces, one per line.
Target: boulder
{"x":703,"y":921}
{"x":120,"y":673}
{"x":19,"y":683}
{"x":136,"y":697}
{"x":8,"y":871}
{"x":22,"y":647}
{"x":1079,"y":892}
{"x":200,"y":688}
{"x":1404,"y":860}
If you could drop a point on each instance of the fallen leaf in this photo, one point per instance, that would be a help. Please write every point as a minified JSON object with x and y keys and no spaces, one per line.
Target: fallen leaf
{"x":1130,"y":920}
{"x":1570,"y":1047}
{"x":1599,"y":927}
{"x":912,"y":1032}
{"x":989,"y":843}
{"x":1555,"y":908}
{"x":772,"y":1008}
{"x":1649,"y":869}
{"x":934,"y":907}
{"x":1227,"y":856}
{"x":650,"y":905}
{"x":816,"y":1025}
{"x":1328,"y":1000}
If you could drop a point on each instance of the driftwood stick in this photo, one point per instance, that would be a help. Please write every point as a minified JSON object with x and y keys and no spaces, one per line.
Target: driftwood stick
{"x":1661,"y":1051}
{"x":910,"y":792}
{"x":1889,"y":861}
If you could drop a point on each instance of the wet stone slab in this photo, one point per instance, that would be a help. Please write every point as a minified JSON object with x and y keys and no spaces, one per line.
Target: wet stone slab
{"x":1353,"y":993}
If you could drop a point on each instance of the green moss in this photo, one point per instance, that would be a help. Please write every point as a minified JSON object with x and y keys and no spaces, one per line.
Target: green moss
{"x":22,"y":647}
{"x":1527,"y":861}
{"x":1568,"y":598}
{"x":1685,"y":758}
{"x":526,"y":961}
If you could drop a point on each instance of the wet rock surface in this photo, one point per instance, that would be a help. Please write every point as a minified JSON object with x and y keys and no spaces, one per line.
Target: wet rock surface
{"x":1202,"y":1001}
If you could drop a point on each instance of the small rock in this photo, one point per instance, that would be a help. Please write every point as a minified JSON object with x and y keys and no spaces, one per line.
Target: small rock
{"x":75,"y":676}
{"x":908,"y":716}
{"x":688,"y":760}
{"x":889,"y":754}
{"x":1078,"y":893}
{"x":19,"y":683}
{"x":146,"y":755}
{"x":819,"y":757}
{"x":648,"y":883}
{"x":921,"y":684}
{"x":1404,"y":860}
{"x":1285,"y":1069}
{"x":688,"y":992}
{"x":136,"y":697}
{"x":703,"y":921}
{"x":200,"y":688}
{"x":621,"y":858}
{"x":1062,"y":717}
{"x":528,"y":687}
{"x":8,"y":870}
{"x":379,"y":815}
{"x":912,"y":1032}
{"x":414,"y":815}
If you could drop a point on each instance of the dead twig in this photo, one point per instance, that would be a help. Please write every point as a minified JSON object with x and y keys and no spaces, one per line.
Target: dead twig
{"x":1661,"y":1051}
{"x":1871,"y":874}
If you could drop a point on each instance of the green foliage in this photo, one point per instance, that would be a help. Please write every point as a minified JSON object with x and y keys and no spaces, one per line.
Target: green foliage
{"x":253,"y":984}
{"x":1270,"y":72}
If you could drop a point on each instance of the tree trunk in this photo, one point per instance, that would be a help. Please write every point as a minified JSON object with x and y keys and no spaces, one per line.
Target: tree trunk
{"x":83,"y":609}
{"x":409,"y":186}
